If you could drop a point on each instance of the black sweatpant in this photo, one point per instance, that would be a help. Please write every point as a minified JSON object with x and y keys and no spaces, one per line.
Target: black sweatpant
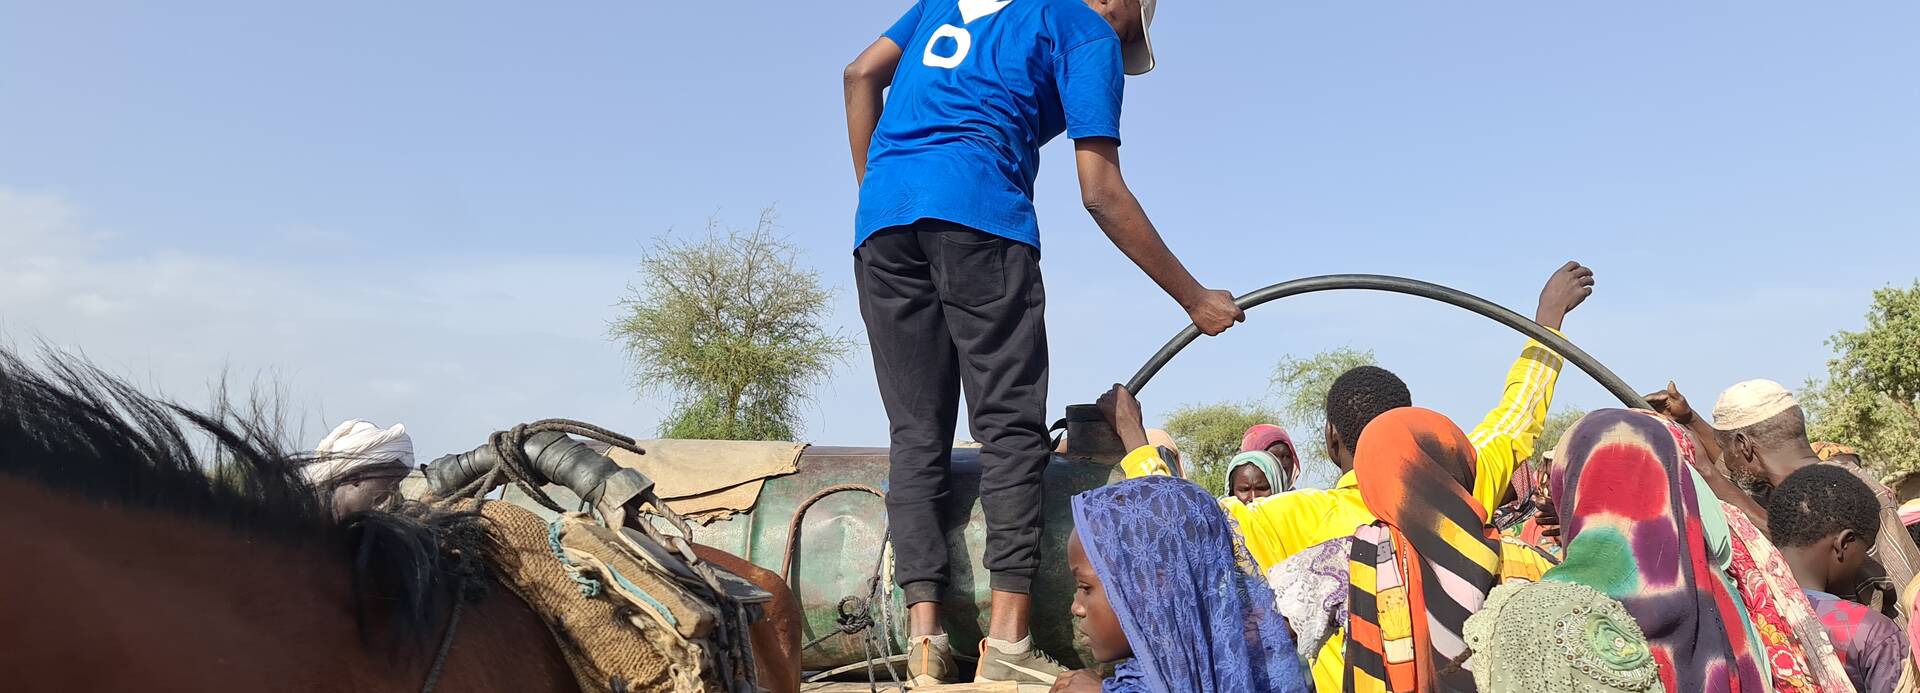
{"x":948,"y":309}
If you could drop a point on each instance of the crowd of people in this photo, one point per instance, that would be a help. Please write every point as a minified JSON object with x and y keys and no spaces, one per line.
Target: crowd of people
{"x":1649,"y":550}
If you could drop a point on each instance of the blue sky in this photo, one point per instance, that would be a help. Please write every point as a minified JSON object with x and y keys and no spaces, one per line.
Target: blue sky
{"x":424,"y":212}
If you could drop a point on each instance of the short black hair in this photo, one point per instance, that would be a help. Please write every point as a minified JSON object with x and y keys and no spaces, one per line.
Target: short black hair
{"x":1819,"y":501}
{"x":1361,"y":394}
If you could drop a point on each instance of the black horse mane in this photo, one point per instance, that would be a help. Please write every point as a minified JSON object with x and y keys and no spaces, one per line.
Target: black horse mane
{"x":73,"y":428}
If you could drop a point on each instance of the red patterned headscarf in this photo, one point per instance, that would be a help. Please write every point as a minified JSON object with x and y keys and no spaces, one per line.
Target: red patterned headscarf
{"x":1632,"y":527}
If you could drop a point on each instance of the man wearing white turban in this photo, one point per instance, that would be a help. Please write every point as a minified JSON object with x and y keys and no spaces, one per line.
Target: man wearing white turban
{"x":359,"y":465}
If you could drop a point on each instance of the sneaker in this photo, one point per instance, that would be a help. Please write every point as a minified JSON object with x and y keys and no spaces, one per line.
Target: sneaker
{"x":930,"y":661}
{"x":1031,"y":666}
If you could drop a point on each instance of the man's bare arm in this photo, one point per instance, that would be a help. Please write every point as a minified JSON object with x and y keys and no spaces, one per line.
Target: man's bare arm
{"x":866,"y":80}
{"x":1119,"y":214}
{"x":1709,"y":460}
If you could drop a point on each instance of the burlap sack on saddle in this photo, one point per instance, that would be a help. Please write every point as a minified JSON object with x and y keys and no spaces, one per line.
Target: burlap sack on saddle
{"x":622,"y":625}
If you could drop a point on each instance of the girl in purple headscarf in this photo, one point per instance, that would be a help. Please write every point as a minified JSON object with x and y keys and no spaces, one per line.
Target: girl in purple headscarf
{"x":1163,"y":583}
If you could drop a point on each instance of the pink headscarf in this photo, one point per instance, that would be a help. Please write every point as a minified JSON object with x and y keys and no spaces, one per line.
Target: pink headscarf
{"x":1911,"y":596}
{"x":1263,"y":436}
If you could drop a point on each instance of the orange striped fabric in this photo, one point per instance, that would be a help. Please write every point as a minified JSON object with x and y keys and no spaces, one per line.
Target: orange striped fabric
{"x":1427,"y":565}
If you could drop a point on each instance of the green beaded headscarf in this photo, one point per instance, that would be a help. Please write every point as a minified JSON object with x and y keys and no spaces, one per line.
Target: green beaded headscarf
{"x":1557,"y":636}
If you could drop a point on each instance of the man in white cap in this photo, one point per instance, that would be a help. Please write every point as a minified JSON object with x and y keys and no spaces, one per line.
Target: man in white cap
{"x":946,"y":114}
{"x":359,"y":465}
{"x":1762,"y":434}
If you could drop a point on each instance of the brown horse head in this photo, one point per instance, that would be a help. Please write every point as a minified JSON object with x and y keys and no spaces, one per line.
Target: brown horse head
{"x":148,"y":545}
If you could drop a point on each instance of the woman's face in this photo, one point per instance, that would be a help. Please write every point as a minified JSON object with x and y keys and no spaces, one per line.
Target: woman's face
{"x":1250,"y":484}
{"x":1284,"y":453}
{"x":1092,"y":614}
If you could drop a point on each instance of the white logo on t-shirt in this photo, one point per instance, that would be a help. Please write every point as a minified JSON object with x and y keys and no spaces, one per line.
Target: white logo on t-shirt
{"x":974,"y":9}
{"x":962,"y":41}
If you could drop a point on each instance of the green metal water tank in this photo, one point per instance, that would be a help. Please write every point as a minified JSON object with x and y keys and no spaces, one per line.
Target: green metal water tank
{"x":842,"y":543}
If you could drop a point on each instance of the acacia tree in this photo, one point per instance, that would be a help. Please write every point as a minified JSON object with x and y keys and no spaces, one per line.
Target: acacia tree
{"x":1209,"y":436}
{"x":1870,"y":398}
{"x":1302,"y":386}
{"x":732,"y":324}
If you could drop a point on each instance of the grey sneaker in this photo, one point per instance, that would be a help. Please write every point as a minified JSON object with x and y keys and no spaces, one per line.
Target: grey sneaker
{"x":929,"y":662}
{"x":1032,"y":666}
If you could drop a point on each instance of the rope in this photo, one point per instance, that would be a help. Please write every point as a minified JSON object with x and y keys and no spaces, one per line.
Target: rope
{"x":446,"y":641}
{"x":874,"y":637}
{"x":509,"y":446}
{"x":589,"y":587}
{"x":800,"y":513}
{"x":735,"y":642}
{"x":856,"y":614}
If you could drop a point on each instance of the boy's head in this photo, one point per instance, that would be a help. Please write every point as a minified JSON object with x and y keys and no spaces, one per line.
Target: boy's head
{"x":1353,"y":401}
{"x":1129,"y":19}
{"x":1828,"y":517}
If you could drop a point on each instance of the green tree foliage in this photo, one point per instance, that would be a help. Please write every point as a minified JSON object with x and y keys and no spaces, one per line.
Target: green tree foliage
{"x":732,"y":324}
{"x":1209,"y":436}
{"x":1870,"y":398}
{"x":1556,"y":426}
{"x":1302,"y":385}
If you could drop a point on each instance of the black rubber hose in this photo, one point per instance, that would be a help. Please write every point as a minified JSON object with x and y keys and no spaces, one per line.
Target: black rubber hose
{"x":558,"y":458}
{"x":1411,"y":287}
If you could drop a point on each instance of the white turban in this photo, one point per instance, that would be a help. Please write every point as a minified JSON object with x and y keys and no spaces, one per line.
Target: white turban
{"x":357,"y":444}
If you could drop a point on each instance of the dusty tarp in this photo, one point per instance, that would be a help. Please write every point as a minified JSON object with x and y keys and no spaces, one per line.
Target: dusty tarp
{"x":708,"y":480}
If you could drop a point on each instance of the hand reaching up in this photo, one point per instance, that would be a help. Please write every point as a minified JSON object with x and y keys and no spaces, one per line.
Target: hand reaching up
{"x":1673,"y":404}
{"x":1565,"y":290}
{"x":1122,"y":412}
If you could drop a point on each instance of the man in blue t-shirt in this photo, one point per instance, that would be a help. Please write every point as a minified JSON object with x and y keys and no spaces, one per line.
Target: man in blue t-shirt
{"x":946,"y":258}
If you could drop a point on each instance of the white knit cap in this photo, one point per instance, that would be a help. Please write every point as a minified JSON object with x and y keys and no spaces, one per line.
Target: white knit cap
{"x":1751,"y":402}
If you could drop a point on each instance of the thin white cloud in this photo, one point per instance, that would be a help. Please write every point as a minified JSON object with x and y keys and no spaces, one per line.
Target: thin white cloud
{"x":453,"y":349}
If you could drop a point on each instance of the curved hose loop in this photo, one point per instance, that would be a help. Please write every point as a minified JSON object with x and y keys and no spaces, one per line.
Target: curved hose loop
{"x":1411,"y":287}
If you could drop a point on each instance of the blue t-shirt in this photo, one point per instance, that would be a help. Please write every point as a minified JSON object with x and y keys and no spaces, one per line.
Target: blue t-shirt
{"x":973,"y":101}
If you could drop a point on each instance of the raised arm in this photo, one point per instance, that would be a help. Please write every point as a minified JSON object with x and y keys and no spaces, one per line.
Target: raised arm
{"x":1119,"y":214}
{"x":1123,"y":414}
{"x":1507,"y":436}
{"x":866,"y":80}
{"x":1711,"y":464}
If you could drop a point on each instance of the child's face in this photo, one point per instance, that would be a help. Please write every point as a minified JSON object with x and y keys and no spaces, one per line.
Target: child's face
{"x":1093,"y":615}
{"x":1849,"y":555}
